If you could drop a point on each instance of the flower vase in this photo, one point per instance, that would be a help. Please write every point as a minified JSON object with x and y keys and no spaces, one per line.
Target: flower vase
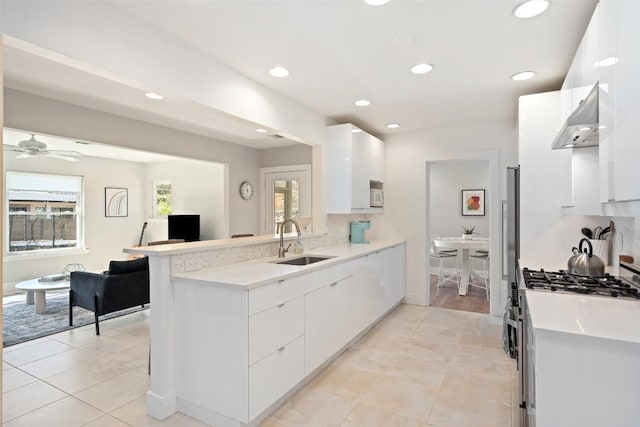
{"x":467,"y":236}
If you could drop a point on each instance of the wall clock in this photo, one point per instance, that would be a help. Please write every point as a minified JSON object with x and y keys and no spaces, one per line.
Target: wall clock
{"x":246,"y":190}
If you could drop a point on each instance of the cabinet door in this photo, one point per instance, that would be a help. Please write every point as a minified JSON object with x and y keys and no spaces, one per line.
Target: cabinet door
{"x":360,"y":170}
{"x":627,"y":147}
{"x":271,"y":329}
{"x":590,"y":48}
{"x":324,"y":329}
{"x":607,"y":101}
{"x":376,"y":154}
{"x":275,"y":375}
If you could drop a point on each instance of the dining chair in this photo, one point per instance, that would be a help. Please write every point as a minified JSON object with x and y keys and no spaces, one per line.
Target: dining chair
{"x":481,"y":257}
{"x":441,"y":255}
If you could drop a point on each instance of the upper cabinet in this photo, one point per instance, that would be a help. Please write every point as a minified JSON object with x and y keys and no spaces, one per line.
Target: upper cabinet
{"x":355,"y":162}
{"x":619,"y":66}
{"x":582,"y":74}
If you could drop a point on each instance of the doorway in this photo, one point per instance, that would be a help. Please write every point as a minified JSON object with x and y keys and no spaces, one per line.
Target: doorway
{"x":448,"y":185}
{"x":286,"y":194}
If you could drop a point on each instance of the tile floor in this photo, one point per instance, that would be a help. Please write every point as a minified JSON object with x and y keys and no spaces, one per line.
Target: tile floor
{"x":420,"y":366}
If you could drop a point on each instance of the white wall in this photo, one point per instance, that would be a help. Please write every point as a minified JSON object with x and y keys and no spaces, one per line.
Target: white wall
{"x":446,"y":182}
{"x":300,"y":154}
{"x":39,"y":114}
{"x":196,"y":188}
{"x":405,"y":183}
{"x":105,"y":237}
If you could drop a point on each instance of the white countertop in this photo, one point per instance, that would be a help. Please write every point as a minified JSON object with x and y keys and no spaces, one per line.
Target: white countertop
{"x":205,"y":245}
{"x":587,"y":316}
{"x":255,"y":273}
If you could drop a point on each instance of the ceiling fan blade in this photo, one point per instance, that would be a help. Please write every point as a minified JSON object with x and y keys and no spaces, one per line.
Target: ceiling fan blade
{"x":65,"y":153}
{"x":23,"y":156}
{"x":61,"y":157}
{"x":7,"y":147}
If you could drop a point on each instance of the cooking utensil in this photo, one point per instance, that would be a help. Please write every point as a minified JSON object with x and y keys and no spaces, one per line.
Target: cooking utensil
{"x":603,"y":233}
{"x":587,"y":232}
{"x":596,"y":233}
{"x":585,"y":263}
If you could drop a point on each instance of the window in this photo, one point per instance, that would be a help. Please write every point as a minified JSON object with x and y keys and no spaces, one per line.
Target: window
{"x":162,"y":198}
{"x":43,"y":212}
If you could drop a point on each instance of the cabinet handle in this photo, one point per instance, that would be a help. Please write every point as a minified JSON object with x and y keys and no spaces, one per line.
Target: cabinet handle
{"x":281,"y":305}
{"x":333,"y":284}
{"x":281,"y":348}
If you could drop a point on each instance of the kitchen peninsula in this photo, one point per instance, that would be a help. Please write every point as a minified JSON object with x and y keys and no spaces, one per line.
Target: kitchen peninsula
{"x":230,"y":343}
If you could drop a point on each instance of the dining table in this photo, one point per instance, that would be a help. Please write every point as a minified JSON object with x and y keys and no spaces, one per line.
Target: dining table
{"x":465,"y":245}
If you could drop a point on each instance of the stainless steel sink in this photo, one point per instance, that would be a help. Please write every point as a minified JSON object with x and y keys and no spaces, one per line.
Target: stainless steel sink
{"x":303,"y":260}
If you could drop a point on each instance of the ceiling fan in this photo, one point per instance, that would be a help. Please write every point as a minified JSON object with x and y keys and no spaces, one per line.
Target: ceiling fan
{"x":33,"y":148}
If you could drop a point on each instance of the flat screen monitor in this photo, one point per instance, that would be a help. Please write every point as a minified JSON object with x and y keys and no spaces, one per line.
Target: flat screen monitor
{"x":185,"y":227}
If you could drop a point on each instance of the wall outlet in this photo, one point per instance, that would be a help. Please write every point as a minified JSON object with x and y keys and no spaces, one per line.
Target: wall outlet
{"x":192,"y":264}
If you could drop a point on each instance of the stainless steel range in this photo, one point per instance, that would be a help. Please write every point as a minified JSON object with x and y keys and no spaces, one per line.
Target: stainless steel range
{"x":562,"y":281}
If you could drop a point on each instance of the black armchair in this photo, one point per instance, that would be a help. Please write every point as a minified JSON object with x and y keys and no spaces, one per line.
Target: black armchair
{"x":124,"y":285}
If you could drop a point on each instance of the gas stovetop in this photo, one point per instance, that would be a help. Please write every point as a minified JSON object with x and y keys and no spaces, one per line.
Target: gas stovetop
{"x":562,"y":281}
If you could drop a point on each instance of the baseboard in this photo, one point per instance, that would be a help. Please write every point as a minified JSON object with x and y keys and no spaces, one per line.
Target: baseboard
{"x":160,"y":407}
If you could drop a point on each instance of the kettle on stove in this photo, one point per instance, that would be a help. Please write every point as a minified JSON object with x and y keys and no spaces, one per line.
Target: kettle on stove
{"x":584,"y":262}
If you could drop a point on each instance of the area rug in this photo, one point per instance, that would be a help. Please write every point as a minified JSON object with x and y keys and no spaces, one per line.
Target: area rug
{"x":21,"y":323}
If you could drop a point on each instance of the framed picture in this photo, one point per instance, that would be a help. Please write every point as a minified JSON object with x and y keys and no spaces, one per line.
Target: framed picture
{"x":116,"y":202}
{"x":472,"y":202}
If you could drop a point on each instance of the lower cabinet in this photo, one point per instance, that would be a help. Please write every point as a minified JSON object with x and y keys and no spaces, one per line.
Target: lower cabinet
{"x":241,"y":351}
{"x":276,"y":374}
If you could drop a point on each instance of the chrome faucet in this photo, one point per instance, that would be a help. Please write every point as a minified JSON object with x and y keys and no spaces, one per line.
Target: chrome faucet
{"x":281,"y":249}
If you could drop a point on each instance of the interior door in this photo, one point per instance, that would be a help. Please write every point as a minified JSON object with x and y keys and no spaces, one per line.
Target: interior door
{"x":287,"y":195}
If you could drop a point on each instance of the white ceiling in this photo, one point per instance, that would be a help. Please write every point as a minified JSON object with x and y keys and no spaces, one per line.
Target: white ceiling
{"x":339,"y":51}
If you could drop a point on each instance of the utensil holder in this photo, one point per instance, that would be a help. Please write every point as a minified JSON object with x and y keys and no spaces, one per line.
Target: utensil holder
{"x":601,"y":249}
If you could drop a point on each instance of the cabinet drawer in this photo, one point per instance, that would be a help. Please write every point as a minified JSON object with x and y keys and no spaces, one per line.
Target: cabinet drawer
{"x":273,"y":328}
{"x":275,"y":375}
{"x":271,"y":295}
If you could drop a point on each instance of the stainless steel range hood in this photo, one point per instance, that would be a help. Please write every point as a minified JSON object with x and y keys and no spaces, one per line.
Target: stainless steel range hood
{"x":581,"y":128}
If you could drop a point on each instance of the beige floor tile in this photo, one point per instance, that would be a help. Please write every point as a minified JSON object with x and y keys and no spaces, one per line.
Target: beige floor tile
{"x":480,"y":340}
{"x":107,"y":421}
{"x":132,"y":357}
{"x":87,"y":375}
{"x":14,"y":378}
{"x":441,"y":334}
{"x":68,"y":412}
{"x":25,"y":399}
{"x":314,"y":408}
{"x":362,"y":358}
{"x":403,"y":398}
{"x":117,"y":391}
{"x":490,"y":363}
{"x":430,"y":378}
{"x":346,"y":382}
{"x":471,"y":412}
{"x":57,"y":363}
{"x":31,"y":353}
{"x":372,"y":416}
{"x":409,"y":313}
{"x":470,"y":387}
{"x":423,"y":354}
{"x":270,"y":422}
{"x":134,"y":413}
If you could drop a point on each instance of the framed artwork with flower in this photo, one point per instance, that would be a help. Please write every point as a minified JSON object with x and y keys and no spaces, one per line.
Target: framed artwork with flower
{"x":472,"y":202}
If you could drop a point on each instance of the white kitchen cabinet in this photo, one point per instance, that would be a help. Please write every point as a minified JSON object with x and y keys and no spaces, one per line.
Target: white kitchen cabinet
{"x":354,"y":159}
{"x":240,"y":351}
{"x":626,"y":150}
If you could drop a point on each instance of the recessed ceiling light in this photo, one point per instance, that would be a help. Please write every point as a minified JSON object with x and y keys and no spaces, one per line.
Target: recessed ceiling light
{"x":602,"y":127}
{"x":260,"y":130}
{"x":279,"y":72}
{"x":356,"y":130}
{"x":362,"y":103}
{"x":525,"y":75}
{"x":569,"y":145}
{"x":376,"y":2}
{"x":530,"y":8}
{"x":393,"y":125}
{"x":421,"y":68}
{"x":153,"y":95}
{"x":584,"y":128}
{"x":606,"y":62}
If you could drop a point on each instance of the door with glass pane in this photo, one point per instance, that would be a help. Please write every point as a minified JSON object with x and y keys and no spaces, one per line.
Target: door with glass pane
{"x":287,"y":195}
